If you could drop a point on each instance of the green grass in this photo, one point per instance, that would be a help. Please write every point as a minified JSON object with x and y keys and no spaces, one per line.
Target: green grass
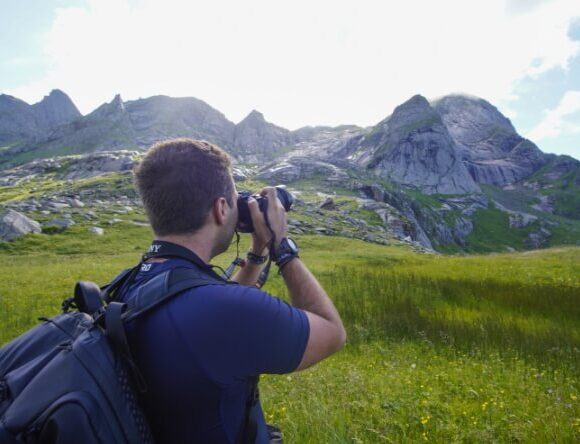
{"x":428,"y":200}
{"x":444,"y":349}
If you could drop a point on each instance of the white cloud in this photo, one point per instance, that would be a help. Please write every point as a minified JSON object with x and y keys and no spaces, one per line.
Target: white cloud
{"x":301,"y":62}
{"x":558,"y":121}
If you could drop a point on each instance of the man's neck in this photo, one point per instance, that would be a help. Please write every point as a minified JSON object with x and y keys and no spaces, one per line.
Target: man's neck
{"x":193,"y":242}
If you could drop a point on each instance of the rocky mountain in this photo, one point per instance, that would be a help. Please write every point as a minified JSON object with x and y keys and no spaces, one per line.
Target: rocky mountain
{"x":19,"y":120}
{"x":413,"y":147}
{"x":107,"y":127}
{"x":488,"y":143}
{"x":450,"y":175}
{"x":135,"y":124}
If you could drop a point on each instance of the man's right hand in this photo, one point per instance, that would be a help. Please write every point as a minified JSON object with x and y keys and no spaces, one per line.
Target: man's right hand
{"x":277,"y":217}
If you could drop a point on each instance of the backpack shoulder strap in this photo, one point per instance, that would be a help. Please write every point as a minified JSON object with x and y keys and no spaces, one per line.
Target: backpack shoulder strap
{"x":155,"y":292}
{"x":152,"y":294}
{"x":165,"y":286}
{"x":109,"y":291}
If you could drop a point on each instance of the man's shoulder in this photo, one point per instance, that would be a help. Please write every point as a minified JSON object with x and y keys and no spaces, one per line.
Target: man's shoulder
{"x":229,"y":291}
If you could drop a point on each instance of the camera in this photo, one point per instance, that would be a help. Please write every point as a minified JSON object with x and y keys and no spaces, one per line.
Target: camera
{"x":245,"y":224}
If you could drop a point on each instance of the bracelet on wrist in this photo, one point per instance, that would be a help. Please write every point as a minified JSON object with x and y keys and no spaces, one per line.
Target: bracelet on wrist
{"x":255,"y":258}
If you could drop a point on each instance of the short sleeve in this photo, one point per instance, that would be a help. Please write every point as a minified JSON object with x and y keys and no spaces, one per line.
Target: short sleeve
{"x":242,"y":331}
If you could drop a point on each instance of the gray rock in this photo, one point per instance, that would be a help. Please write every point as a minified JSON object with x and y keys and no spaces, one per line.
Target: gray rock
{"x":96,"y":164}
{"x":60,"y":223}
{"x":14,"y":225}
{"x":97,"y":231}
{"x":301,"y":168}
{"x":75,"y":203}
{"x":328,"y":204}
{"x":462,"y":228}
{"x":58,"y":205}
{"x":281,"y":173}
{"x":240,"y":173}
{"x":538,"y":239}
{"x":545,"y":204}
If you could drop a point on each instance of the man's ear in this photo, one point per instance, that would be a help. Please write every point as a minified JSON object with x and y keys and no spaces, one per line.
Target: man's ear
{"x":218,"y":210}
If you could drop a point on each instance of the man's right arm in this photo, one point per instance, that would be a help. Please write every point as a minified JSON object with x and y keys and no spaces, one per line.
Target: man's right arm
{"x":327,"y":334}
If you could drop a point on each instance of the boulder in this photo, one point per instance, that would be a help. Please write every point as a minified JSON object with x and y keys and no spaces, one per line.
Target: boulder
{"x":96,"y":231}
{"x":14,"y":225}
{"x":328,"y":204}
{"x":61,"y":223}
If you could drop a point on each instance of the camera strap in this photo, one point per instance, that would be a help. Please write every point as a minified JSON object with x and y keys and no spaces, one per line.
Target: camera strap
{"x":237,"y":261}
{"x":266,"y":270}
{"x":168,"y":249}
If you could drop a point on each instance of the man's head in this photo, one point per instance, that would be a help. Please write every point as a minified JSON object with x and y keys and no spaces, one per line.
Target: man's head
{"x":183,"y":183}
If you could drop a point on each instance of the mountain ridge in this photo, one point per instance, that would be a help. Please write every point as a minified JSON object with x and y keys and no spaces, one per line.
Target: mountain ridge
{"x":444,"y":174}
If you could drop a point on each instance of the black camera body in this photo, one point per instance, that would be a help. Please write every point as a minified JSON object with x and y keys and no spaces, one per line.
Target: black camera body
{"x":245,"y":224}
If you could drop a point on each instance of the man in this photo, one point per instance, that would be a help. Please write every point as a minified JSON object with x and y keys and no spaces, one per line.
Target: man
{"x":201,"y":351}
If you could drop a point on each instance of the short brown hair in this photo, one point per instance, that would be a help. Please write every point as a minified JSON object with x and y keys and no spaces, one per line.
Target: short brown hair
{"x":179,"y":180}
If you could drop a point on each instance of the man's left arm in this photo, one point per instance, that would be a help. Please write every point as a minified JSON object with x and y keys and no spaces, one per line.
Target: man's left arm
{"x":249,"y":274}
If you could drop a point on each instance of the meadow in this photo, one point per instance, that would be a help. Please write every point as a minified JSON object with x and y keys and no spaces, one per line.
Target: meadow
{"x":440,"y":348}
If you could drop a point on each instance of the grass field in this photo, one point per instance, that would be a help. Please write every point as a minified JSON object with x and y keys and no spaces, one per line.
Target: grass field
{"x":440,"y":349}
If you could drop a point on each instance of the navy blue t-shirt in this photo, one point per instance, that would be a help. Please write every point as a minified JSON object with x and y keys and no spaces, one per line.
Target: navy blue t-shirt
{"x":199,"y":351}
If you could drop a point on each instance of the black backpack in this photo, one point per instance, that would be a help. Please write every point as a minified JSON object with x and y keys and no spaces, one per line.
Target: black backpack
{"x":72,"y":379}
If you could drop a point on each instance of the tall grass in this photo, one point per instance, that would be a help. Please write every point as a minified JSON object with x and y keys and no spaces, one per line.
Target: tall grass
{"x":443,"y":349}
{"x":535,"y":321}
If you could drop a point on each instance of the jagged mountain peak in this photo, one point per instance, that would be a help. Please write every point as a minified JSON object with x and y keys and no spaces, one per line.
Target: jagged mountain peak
{"x":254,"y":116}
{"x":57,"y":93}
{"x":256,"y":139}
{"x":416,"y":109}
{"x":117,"y":100}
{"x":56,"y":109}
{"x":115,"y":106}
{"x":416,"y":100}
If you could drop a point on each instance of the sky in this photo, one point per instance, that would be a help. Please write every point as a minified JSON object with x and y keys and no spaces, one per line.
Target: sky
{"x":304,"y":62}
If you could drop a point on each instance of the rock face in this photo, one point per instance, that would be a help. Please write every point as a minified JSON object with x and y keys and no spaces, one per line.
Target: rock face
{"x":412,"y":147}
{"x":134,"y":124}
{"x":432,"y":227}
{"x":55,"y":109}
{"x":71,"y":167}
{"x":14,"y":225}
{"x":108,"y":127}
{"x":487,"y":141}
{"x":256,"y":140}
{"x":301,"y":168}
{"x":19,"y":120}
